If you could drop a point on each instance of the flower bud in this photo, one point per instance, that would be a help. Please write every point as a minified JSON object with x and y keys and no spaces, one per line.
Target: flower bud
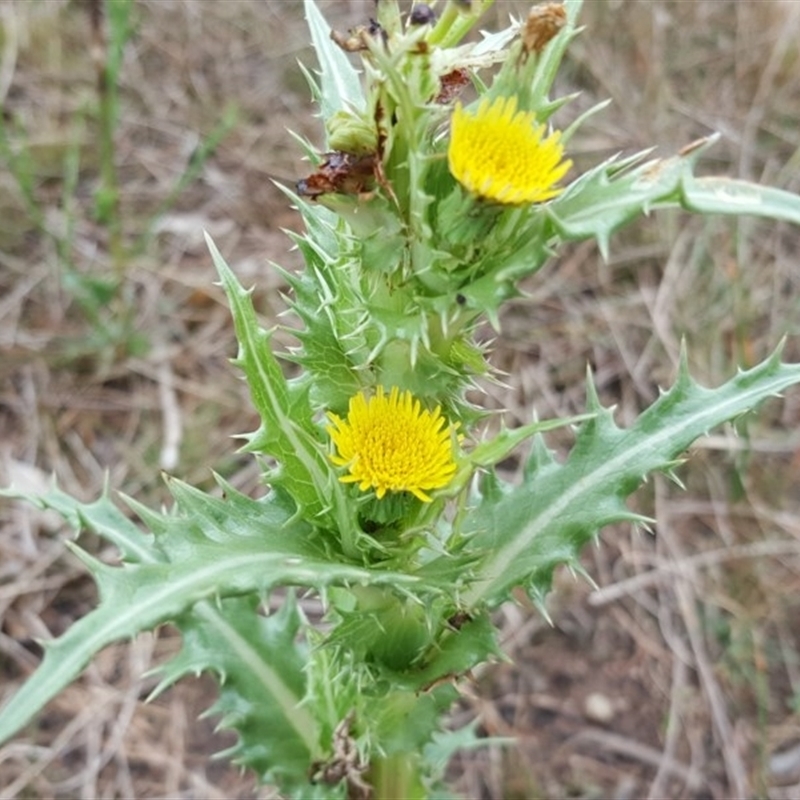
{"x":351,"y":133}
{"x":422,"y":14}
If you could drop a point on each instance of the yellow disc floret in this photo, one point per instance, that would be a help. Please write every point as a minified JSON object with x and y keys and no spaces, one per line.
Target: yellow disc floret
{"x":392,"y":444}
{"x":502,"y":154}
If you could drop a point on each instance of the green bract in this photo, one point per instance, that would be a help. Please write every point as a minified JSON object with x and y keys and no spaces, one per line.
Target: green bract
{"x":402,"y":263}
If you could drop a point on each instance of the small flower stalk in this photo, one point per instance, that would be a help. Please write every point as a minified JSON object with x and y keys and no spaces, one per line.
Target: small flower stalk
{"x":444,"y":178}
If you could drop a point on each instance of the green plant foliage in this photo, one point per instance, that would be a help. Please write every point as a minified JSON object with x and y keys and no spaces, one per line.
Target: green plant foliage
{"x":616,"y":192}
{"x":288,"y":432}
{"x":89,"y":150}
{"x":527,"y":530}
{"x":339,"y":88}
{"x":406,"y":254}
{"x":208,"y":548}
{"x":260,"y":666}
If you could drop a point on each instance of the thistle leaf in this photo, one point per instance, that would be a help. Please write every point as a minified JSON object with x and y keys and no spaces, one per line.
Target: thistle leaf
{"x":729,"y":196}
{"x":613,"y":193}
{"x":135,"y":546}
{"x":260,"y":666}
{"x":287,"y":430}
{"x":605,"y":198}
{"x":339,"y":86}
{"x":208,"y":548}
{"x":524,"y":532}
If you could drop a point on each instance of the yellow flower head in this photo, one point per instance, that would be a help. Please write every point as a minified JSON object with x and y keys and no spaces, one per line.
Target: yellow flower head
{"x":501,"y":154}
{"x":390,"y":444}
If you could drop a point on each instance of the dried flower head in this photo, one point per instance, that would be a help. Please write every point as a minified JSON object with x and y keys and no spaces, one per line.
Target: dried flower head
{"x":392,"y":444}
{"x":502,"y":154}
{"x":543,"y":23}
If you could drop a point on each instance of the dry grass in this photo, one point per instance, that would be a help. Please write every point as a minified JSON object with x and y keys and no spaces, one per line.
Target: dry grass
{"x":679,"y":676}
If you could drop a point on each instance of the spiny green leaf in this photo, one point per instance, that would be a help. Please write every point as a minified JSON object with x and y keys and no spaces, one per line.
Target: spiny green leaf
{"x":728,"y":196}
{"x":216,"y":560}
{"x":390,"y":637}
{"x":404,"y":722}
{"x":526,"y":531}
{"x":613,"y":193}
{"x":327,"y":341}
{"x":287,"y":432}
{"x":102,"y":516}
{"x":260,"y":665}
{"x":605,"y":198}
{"x":340,"y":86}
{"x":444,"y":744}
{"x":458,"y":650}
{"x":500,"y":446}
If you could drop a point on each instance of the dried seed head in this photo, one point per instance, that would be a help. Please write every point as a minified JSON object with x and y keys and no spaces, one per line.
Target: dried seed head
{"x":543,"y":23}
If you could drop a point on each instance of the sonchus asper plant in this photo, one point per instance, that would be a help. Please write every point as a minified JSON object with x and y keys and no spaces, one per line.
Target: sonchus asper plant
{"x":442,"y":183}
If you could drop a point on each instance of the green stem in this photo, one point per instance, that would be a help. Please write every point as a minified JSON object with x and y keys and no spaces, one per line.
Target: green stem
{"x":396,"y":776}
{"x":111,"y":28}
{"x":108,"y":206}
{"x":455,"y":22}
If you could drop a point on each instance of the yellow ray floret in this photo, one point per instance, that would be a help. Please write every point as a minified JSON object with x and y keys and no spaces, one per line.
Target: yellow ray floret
{"x":392,"y":444}
{"x":501,"y":154}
